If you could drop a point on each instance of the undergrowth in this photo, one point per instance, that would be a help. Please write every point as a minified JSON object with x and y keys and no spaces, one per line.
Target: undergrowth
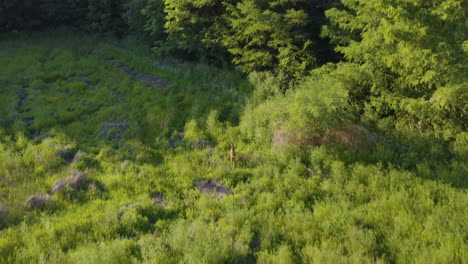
{"x":401,"y":200}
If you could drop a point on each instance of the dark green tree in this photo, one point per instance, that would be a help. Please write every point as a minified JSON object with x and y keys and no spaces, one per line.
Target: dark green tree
{"x":409,"y":57}
{"x":195,"y":27}
{"x":278,"y":35}
{"x":266,"y":35}
{"x":19,"y":14}
{"x":63,"y":12}
{"x":155,"y":19}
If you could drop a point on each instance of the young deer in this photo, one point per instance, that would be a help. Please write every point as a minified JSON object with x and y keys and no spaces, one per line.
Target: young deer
{"x":232,"y":154}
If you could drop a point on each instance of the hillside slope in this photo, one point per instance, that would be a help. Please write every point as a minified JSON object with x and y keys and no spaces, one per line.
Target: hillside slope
{"x":110,"y":155}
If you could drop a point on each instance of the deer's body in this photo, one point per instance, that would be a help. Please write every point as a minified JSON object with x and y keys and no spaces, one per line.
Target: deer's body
{"x":232,"y":154}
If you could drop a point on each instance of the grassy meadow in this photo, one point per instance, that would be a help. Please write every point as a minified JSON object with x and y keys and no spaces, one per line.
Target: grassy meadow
{"x":71,"y":103}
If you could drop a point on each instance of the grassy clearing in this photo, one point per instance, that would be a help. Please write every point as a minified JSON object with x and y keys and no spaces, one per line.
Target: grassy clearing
{"x":144,"y":149}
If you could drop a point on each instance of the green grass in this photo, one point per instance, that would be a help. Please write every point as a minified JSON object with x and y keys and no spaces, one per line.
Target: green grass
{"x":403,"y":201}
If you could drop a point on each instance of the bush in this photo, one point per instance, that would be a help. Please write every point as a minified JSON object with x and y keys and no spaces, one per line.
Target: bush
{"x":301,"y":117}
{"x":196,"y":242}
{"x":114,"y":251}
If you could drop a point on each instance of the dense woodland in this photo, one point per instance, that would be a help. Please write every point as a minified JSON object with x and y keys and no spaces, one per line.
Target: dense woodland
{"x":233,"y":131}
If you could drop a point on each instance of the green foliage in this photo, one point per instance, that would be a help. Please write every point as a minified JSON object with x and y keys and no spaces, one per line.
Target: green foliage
{"x":115,"y":251}
{"x":15,"y":15}
{"x":89,"y":15}
{"x":133,"y":16}
{"x":140,"y":153}
{"x":191,"y":242}
{"x":266,"y":34}
{"x":194,"y":27}
{"x":412,"y":59}
{"x":101,"y":15}
{"x":312,"y":108}
{"x":266,"y":86}
{"x":57,"y":12}
{"x":295,"y":198}
{"x":279,"y":36}
{"x":155,"y":19}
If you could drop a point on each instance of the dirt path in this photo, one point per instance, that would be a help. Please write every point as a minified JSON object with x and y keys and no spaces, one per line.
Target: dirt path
{"x":157,"y":82}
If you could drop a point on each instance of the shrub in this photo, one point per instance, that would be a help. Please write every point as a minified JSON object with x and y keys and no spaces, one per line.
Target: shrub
{"x":299,"y":118}
{"x":113,"y":251}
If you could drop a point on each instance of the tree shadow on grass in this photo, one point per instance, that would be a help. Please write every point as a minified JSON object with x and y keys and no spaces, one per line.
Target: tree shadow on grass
{"x":422,"y":154}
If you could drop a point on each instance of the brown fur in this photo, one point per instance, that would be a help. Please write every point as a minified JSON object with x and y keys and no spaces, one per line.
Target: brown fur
{"x":232,"y":154}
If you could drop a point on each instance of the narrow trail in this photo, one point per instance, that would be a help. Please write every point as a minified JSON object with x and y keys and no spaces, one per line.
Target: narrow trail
{"x":157,"y":82}
{"x":22,"y":94}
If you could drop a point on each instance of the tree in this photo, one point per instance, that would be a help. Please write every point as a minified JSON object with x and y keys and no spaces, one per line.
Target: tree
{"x":412,"y":56}
{"x":269,"y":34}
{"x":280,"y":35}
{"x":194,"y":26}
{"x":63,"y":12}
{"x":154,"y":19}
{"x":19,"y":14}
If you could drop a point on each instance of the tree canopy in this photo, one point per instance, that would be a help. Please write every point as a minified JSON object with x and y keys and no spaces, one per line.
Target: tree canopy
{"x":410,"y":56}
{"x":402,"y":60}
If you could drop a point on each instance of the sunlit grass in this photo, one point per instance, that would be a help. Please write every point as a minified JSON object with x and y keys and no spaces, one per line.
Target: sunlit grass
{"x":403,"y":200}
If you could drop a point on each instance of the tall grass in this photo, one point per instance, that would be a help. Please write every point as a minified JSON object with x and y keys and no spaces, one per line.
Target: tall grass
{"x":401,"y":200}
